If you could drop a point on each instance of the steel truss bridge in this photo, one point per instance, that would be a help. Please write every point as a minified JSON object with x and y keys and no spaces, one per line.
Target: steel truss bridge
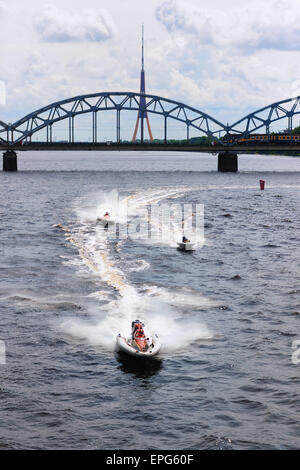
{"x":20,"y":134}
{"x":44,"y":118}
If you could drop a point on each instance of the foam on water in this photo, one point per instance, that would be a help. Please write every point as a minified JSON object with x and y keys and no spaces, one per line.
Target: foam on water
{"x":102,"y":327}
{"x":157,"y":308}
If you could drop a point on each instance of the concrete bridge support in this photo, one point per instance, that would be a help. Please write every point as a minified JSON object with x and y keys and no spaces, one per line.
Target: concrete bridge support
{"x":228,"y":161}
{"x":10,"y":161}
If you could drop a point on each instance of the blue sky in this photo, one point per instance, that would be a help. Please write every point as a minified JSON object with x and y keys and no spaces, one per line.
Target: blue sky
{"x":225,"y":58}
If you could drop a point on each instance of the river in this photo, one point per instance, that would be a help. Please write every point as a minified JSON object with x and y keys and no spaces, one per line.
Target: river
{"x":227,"y":314}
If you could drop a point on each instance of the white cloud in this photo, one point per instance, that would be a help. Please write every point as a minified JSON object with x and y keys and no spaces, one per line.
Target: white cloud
{"x":35,"y":66}
{"x":232,"y":60}
{"x":213,"y":60}
{"x":56,"y":25}
{"x":2,"y":93}
{"x":259,"y":25}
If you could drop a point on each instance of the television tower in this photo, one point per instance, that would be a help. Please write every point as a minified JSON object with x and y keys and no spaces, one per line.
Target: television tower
{"x":142,"y":114}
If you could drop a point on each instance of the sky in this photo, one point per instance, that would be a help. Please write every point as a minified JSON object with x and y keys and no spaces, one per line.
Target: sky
{"x":224,"y":58}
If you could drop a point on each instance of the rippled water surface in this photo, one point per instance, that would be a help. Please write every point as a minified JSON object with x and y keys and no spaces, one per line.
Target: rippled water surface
{"x":227,"y":314}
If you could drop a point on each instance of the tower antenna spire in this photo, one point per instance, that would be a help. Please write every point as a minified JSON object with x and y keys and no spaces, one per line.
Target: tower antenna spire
{"x":142,"y":46}
{"x":142,"y":114}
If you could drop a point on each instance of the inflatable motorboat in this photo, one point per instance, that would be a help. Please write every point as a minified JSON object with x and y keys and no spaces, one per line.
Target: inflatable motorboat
{"x":186,"y":246}
{"x":140,"y":343}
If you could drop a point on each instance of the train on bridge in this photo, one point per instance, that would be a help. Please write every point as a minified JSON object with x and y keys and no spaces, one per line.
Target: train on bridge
{"x":280,"y":138}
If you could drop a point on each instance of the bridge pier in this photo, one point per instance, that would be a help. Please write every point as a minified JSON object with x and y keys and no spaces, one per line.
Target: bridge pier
{"x":10,"y":161}
{"x":228,"y":161}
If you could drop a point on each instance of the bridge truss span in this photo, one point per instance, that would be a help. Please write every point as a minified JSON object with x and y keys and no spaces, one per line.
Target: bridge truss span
{"x":270,"y":116}
{"x":265,"y":120}
{"x":3,"y":132}
{"x":44,"y":118}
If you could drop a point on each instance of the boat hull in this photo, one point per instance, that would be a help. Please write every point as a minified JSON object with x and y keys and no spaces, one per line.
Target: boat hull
{"x":186,"y":246}
{"x":105,"y":222}
{"x":124,"y":345}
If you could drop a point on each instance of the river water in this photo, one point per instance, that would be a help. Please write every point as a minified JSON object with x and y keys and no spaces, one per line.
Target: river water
{"x":227,"y":314}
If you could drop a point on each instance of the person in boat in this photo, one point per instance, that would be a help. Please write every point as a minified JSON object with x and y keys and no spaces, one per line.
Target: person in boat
{"x":136,"y":326}
{"x":138,"y":336}
{"x":106,"y":216}
{"x":185,"y":240}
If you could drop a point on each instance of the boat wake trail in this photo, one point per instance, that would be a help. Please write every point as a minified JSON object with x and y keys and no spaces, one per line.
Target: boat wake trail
{"x":118,"y":302}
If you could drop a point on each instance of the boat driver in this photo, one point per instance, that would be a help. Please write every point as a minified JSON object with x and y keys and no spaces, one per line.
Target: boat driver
{"x":106,"y":217}
{"x":138,"y":331}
